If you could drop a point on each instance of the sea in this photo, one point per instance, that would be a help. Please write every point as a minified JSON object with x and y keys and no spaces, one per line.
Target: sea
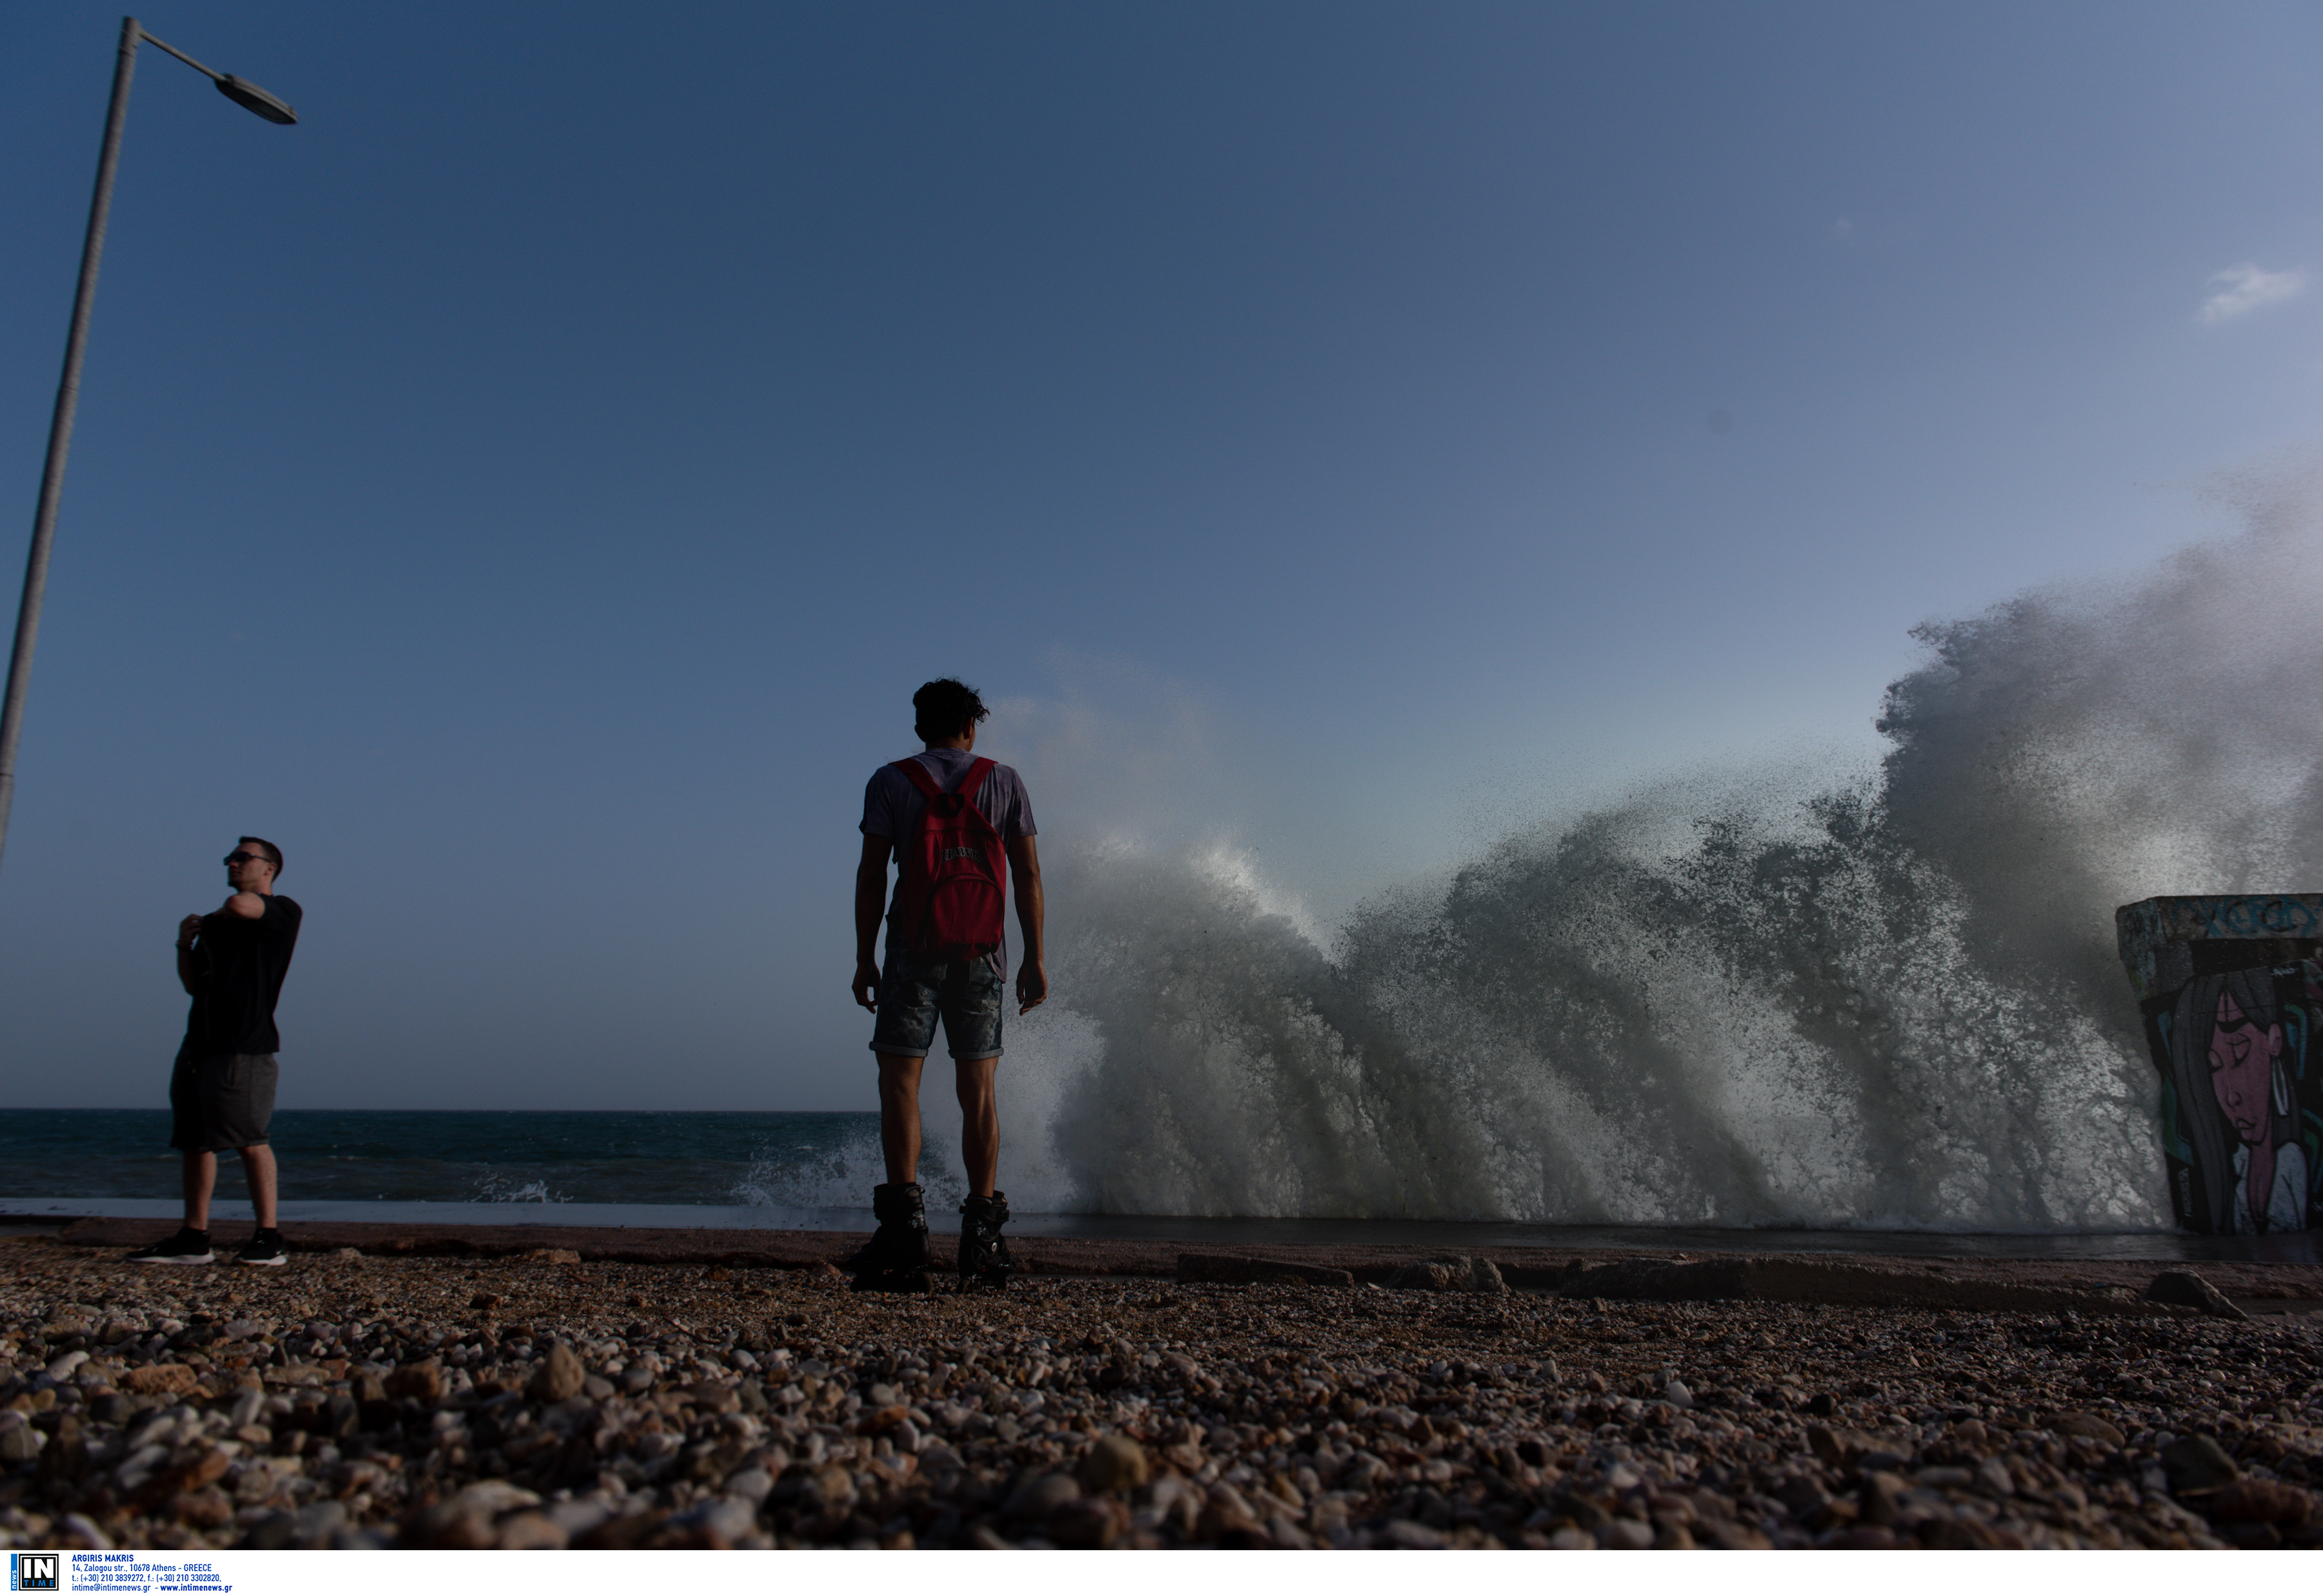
{"x":779,"y":1170}
{"x":787,"y":1171}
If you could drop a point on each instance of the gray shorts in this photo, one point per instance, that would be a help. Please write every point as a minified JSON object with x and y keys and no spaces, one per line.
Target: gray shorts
{"x":914,"y":993}
{"x":221,"y":1100}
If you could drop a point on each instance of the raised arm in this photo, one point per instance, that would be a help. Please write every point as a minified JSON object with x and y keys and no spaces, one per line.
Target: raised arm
{"x":188,"y":969}
{"x":870,"y":904}
{"x":1033,"y":974}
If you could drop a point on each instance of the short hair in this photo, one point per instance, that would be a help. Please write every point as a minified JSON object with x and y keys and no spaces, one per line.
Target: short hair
{"x":273,"y":853}
{"x":946,"y":708}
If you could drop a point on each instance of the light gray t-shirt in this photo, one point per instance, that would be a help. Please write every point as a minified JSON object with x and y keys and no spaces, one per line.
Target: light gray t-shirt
{"x":892,"y":808}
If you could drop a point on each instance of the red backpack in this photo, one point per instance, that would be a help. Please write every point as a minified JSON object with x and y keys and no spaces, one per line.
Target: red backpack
{"x":952,"y":896}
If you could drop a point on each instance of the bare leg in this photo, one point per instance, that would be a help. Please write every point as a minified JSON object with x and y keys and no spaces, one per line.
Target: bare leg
{"x":258,"y":1169}
{"x":980,"y":1123}
{"x":201,"y":1179}
{"x":899,"y":1116}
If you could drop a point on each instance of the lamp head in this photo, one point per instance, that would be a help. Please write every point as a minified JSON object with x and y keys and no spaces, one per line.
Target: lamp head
{"x":253,"y":98}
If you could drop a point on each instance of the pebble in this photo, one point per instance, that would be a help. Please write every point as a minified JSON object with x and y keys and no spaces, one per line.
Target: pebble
{"x":419,"y":1383}
{"x":1114,"y":1462}
{"x":2197,"y":1464}
{"x":1450,"y":1274}
{"x":560,"y":1376}
{"x":2188,"y":1289}
{"x":369,"y":1401}
{"x":2089,"y":1425}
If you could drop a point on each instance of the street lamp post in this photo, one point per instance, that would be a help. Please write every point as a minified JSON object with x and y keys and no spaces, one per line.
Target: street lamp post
{"x":253,"y":98}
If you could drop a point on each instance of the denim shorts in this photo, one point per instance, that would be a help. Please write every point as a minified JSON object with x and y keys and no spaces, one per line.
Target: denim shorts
{"x":914,"y":990}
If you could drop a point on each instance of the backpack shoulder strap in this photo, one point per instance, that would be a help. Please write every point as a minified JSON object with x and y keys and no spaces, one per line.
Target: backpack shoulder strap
{"x":973,"y":780}
{"x":917,"y":773}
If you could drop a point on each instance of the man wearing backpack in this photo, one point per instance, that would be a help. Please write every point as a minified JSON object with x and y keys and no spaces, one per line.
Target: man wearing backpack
{"x":950,"y":819}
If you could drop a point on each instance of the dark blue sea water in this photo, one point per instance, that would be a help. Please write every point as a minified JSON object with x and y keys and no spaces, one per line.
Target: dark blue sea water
{"x":724,"y":1159}
{"x":771,"y":1170}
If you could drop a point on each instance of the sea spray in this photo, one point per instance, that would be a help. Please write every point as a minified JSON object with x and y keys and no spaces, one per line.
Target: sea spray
{"x":494,"y":1188}
{"x":839,"y":1174}
{"x":1894,"y":1004}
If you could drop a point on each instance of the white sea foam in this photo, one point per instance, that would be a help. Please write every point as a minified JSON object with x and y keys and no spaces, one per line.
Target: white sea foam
{"x":1894,"y":1004}
{"x":505,"y":1189}
{"x":786,"y":1175}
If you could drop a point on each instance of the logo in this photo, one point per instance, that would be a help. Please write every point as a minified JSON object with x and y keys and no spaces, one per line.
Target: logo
{"x":33,"y":1571}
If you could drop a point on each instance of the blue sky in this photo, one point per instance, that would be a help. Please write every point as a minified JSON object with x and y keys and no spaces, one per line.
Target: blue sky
{"x":530,"y":489}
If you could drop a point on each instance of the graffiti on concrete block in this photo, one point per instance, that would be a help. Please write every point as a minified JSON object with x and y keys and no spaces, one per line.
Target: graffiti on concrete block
{"x":2242,"y":1108}
{"x":2167,"y":942}
{"x":2233,"y":996}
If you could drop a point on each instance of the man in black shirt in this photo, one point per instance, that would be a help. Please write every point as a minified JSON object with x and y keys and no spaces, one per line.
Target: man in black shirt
{"x":230,"y":963}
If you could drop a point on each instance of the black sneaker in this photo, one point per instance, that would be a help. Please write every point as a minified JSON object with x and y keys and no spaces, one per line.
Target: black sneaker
{"x":264,"y":1248}
{"x":187,"y":1246}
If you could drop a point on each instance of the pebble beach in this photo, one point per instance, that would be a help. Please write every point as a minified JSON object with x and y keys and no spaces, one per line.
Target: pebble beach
{"x":541,"y":1400}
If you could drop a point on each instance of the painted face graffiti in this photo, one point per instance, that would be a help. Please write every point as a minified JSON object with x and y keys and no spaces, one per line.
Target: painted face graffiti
{"x":2232,"y":1048}
{"x":2243,"y":1061}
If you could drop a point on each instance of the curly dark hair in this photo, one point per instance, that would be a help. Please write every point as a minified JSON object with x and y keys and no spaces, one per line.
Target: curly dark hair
{"x":946,"y":708}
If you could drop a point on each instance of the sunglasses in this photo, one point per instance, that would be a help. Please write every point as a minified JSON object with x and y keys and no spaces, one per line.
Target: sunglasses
{"x":242,"y":856}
